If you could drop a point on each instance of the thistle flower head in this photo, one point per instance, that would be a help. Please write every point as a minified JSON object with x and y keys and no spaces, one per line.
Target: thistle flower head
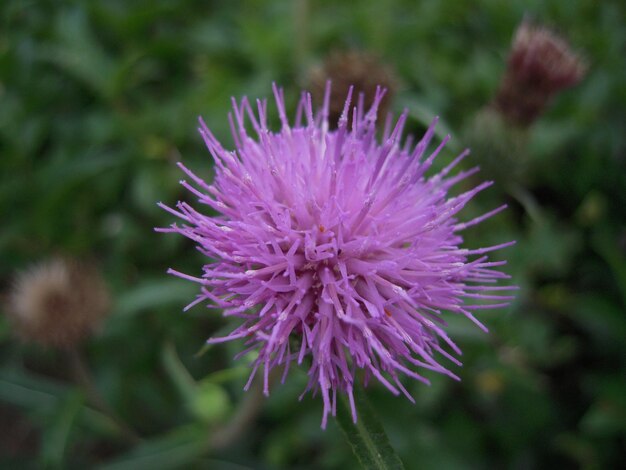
{"x":58,"y":303}
{"x":541,"y":63}
{"x":335,"y":249}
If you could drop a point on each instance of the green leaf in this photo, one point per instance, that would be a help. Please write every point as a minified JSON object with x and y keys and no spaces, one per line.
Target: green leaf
{"x":367,"y":437}
{"x":24,"y":390}
{"x":176,"y":449}
{"x":182,"y":379}
{"x":56,"y":436}
{"x":601,"y":317}
{"x":205,"y":399}
{"x":78,"y":52}
{"x":155,"y":293}
{"x":45,"y":396}
{"x":228,"y":375}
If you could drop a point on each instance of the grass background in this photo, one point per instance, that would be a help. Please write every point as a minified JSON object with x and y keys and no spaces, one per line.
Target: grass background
{"x":98,"y":100}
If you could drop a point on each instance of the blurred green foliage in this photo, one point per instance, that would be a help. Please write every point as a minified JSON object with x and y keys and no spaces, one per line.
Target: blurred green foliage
{"x":98,"y":100}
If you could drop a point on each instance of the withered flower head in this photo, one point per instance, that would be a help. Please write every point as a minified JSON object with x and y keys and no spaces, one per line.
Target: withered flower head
{"x":541,"y":63}
{"x":58,"y":302}
{"x":363,"y":71}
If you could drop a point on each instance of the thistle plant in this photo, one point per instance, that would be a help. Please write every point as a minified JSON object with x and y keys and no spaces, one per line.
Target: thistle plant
{"x":335,"y":250}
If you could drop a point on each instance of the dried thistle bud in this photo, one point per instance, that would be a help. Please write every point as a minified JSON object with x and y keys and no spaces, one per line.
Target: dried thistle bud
{"x":541,"y":63}
{"x":58,"y":303}
{"x":362,"y":70}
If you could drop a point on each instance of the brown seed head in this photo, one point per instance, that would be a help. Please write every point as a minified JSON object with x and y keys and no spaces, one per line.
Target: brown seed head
{"x":58,"y":302}
{"x":540,"y":64}
{"x":352,"y":68}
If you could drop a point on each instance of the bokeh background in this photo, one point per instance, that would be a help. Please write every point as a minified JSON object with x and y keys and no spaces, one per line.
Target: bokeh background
{"x":98,"y":100}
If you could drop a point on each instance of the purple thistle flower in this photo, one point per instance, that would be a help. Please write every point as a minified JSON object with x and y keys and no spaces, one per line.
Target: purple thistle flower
{"x":335,"y":248}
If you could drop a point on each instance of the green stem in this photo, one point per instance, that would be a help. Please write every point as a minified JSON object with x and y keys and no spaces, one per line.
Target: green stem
{"x":367,"y":436}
